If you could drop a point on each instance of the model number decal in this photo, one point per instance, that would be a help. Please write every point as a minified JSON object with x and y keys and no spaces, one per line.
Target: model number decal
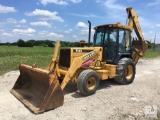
{"x":79,"y":51}
{"x":89,"y":55}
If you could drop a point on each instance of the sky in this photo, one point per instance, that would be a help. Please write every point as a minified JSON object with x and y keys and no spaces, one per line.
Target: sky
{"x":66,"y":20}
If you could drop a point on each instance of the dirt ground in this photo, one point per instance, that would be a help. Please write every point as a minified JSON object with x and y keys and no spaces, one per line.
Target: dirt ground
{"x":111,"y":101}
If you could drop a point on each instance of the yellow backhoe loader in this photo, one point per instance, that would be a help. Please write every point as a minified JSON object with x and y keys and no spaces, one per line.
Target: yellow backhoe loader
{"x":114,"y":54}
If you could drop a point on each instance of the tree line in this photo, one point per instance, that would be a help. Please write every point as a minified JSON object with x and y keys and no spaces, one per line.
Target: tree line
{"x":43,"y":43}
{"x":46,"y":43}
{"x":32,"y":43}
{"x":50,"y":43}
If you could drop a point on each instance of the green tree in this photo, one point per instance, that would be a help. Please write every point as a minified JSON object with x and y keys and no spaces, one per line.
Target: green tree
{"x":149,"y":44}
{"x":21,"y":43}
{"x":30,"y":43}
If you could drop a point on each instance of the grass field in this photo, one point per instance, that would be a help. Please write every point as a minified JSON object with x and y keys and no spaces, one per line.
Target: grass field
{"x":10,"y":57}
{"x":151,"y":54}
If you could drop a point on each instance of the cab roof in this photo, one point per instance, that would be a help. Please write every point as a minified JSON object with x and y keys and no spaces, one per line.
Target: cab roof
{"x":118,"y":24}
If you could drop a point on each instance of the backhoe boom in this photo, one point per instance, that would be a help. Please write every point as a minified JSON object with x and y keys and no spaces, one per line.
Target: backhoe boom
{"x":140,"y":45}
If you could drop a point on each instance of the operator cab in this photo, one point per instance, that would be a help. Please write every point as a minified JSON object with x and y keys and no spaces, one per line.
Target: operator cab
{"x":115,"y":40}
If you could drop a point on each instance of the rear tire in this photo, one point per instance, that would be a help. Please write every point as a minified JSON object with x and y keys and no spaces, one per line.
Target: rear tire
{"x":88,"y":82}
{"x":125,"y":71}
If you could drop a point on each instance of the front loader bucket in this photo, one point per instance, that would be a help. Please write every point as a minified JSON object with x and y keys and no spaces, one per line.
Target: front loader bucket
{"x":38,"y":89}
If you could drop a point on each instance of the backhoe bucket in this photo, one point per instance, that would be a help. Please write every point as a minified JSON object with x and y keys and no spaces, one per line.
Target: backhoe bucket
{"x":38,"y":89}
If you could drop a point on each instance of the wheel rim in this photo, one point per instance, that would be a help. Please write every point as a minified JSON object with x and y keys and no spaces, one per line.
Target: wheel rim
{"x":129,"y":72}
{"x":91,"y":83}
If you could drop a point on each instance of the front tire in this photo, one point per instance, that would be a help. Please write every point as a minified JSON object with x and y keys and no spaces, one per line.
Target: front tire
{"x":88,"y":82}
{"x":125,"y":71}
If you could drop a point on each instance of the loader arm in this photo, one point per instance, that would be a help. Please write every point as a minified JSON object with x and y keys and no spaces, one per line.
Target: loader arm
{"x":140,"y":45}
{"x":52,"y":64}
{"x":77,"y":63}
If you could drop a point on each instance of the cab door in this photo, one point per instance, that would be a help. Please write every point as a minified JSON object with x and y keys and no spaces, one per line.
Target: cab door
{"x":110,"y":44}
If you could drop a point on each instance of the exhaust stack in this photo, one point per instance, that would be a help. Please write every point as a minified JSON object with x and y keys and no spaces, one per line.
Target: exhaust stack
{"x":89,"y":34}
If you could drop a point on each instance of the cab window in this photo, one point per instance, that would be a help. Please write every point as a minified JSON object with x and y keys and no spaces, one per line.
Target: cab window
{"x":124,"y":40}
